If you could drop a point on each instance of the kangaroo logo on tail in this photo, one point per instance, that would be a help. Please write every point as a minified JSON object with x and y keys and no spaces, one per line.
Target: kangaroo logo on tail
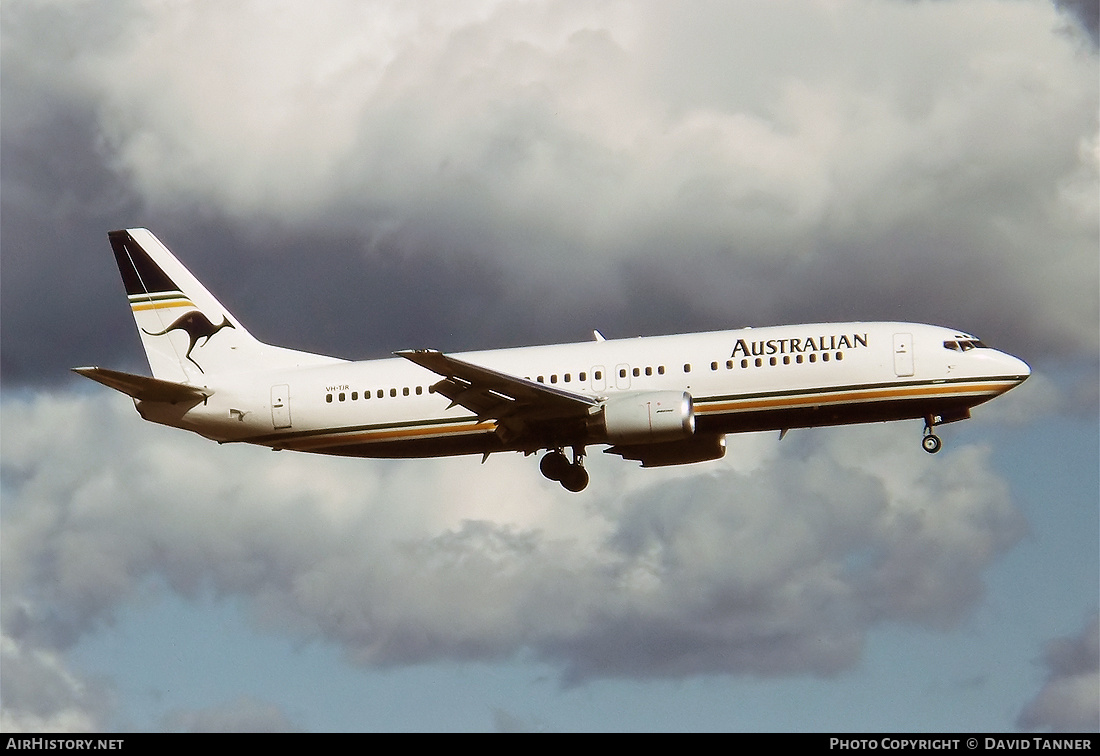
{"x":196,"y":326}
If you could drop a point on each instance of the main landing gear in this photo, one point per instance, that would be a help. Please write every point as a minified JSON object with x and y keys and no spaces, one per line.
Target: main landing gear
{"x":572,"y":475}
{"x":931,"y":442}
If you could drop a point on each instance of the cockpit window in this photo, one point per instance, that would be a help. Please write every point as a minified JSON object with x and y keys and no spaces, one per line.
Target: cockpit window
{"x":964,"y":345}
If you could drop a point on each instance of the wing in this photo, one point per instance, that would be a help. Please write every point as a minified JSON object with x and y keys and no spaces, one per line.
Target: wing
{"x":515,"y":403}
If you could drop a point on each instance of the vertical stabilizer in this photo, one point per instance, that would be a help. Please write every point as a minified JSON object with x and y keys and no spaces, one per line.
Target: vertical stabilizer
{"x":187,"y":334}
{"x":185,"y":331}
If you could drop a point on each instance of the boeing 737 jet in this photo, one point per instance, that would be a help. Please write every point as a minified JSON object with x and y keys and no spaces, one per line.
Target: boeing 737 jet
{"x":661,"y":400}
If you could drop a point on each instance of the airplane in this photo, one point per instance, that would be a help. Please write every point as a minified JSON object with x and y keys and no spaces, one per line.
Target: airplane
{"x":657,"y":400}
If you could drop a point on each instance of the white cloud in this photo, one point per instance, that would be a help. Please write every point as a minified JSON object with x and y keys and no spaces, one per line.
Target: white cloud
{"x":41,"y":694}
{"x":958,"y":139}
{"x":780,"y":570}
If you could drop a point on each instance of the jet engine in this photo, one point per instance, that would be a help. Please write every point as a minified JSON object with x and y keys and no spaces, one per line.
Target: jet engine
{"x":648,"y":417}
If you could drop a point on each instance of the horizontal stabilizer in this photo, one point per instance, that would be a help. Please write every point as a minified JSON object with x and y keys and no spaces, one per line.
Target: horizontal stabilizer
{"x":144,"y":388}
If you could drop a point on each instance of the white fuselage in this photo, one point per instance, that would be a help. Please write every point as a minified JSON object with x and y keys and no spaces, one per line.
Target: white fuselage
{"x":743,"y":380}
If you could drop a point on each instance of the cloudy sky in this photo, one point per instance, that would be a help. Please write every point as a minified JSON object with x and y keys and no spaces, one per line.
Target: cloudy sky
{"x":358,"y":177}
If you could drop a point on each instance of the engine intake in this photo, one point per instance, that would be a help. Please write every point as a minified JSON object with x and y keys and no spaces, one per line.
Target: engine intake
{"x":648,"y":417}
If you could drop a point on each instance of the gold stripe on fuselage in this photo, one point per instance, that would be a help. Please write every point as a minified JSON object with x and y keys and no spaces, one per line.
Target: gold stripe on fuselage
{"x":852,"y":397}
{"x":387,"y":434}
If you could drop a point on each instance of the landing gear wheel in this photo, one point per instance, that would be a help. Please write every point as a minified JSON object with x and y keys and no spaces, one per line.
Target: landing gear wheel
{"x":575,"y":479}
{"x":931,"y":443}
{"x":555,"y":466}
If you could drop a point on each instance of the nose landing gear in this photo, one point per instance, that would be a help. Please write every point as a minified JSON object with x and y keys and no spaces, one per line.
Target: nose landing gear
{"x":931,"y":442}
{"x":557,"y":467}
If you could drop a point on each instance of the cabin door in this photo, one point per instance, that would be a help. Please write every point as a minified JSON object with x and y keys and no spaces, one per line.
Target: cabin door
{"x":280,"y":406}
{"x":903,"y":354}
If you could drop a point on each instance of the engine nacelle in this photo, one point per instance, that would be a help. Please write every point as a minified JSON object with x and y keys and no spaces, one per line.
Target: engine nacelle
{"x":648,"y":417}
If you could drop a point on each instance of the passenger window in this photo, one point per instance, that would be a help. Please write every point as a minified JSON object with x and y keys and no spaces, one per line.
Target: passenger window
{"x":554,"y":378}
{"x":380,"y":393}
{"x":419,"y":390}
{"x":342,"y":397}
{"x":328,"y":398}
{"x":637,"y":372}
{"x":649,"y":371}
{"x":660,"y":370}
{"x":393,"y":392}
{"x":622,"y":372}
{"x":405,"y":391}
{"x":582,"y":377}
{"x":687,"y":367}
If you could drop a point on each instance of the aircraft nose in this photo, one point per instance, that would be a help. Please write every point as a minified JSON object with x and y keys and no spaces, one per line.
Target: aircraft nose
{"x":1015,"y":367}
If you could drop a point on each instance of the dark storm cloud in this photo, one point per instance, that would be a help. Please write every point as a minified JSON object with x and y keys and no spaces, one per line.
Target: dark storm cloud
{"x":1070,"y":698}
{"x":313,"y":288}
{"x":61,"y":298}
{"x":58,"y":301}
{"x":1086,"y":13}
{"x":340,"y":294}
